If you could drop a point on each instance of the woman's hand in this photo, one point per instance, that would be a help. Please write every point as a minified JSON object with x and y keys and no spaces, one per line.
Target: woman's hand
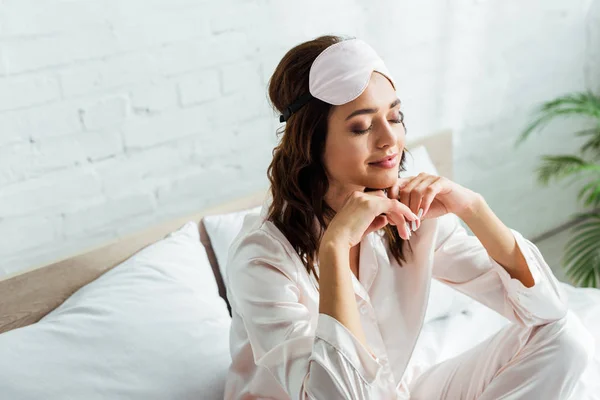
{"x":360,"y":214}
{"x":431,"y":196}
{"x":363,"y":213}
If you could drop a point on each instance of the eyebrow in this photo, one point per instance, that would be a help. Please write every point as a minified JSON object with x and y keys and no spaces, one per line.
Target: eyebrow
{"x":370,"y":110}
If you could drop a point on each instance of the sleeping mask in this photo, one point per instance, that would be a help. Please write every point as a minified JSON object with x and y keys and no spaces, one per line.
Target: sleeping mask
{"x":339,"y":74}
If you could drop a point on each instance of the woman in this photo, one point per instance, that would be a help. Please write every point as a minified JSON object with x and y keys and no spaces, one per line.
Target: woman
{"x":329,"y":285}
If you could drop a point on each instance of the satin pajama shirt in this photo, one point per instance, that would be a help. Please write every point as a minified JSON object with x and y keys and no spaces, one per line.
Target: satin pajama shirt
{"x":283,"y":348}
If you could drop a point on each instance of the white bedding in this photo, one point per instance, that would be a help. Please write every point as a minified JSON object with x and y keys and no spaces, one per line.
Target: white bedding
{"x":447,"y":337}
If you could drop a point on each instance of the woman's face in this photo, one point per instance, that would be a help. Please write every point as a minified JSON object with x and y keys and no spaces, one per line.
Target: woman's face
{"x":361,"y":132}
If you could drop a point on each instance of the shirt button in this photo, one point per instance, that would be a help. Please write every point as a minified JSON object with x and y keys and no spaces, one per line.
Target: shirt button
{"x":363,"y":309}
{"x":519,"y":297}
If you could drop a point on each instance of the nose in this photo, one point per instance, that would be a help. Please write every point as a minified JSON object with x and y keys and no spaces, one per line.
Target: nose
{"x":387,"y":136}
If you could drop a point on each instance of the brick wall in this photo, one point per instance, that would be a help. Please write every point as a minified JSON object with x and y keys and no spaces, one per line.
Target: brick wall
{"x":118,"y":114}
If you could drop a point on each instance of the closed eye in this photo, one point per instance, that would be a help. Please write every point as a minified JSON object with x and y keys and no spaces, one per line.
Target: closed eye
{"x":399,"y":120}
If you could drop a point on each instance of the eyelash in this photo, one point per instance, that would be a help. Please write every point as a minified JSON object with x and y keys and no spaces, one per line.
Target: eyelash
{"x":396,"y":121}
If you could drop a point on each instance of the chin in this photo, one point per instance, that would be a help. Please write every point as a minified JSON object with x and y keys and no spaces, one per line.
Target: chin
{"x":383,"y":180}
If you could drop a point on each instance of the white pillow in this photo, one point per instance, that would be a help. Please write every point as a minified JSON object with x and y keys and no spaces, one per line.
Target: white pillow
{"x":222,"y":229}
{"x":417,"y":160}
{"x":154,"y":327}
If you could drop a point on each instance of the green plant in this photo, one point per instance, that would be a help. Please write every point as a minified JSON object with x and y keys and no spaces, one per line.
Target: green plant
{"x":582,"y":252}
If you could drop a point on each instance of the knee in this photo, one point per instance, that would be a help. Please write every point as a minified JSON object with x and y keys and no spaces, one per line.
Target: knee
{"x":571,"y":344}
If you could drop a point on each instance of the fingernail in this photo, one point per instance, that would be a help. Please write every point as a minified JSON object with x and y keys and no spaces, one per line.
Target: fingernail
{"x":408,"y":229}
{"x":420,"y":213}
{"x":414,"y":225}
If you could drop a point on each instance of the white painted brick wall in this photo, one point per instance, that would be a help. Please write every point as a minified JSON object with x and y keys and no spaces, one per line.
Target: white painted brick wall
{"x":27,"y":91}
{"x":118,"y":114}
{"x":199,"y":87}
{"x":94,"y":217}
{"x":152,"y":99}
{"x":105,"y":113}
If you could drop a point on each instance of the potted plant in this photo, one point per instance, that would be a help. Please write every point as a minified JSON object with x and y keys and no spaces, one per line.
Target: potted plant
{"x":581,"y":259}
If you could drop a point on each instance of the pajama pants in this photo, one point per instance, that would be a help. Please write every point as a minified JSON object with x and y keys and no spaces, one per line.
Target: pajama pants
{"x":541,"y":362}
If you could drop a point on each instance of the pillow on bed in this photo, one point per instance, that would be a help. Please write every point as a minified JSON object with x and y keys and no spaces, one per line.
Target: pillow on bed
{"x":153,"y":327}
{"x":222,"y":229}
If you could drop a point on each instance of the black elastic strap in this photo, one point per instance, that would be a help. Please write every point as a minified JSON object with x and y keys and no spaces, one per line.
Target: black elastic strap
{"x":295,"y":106}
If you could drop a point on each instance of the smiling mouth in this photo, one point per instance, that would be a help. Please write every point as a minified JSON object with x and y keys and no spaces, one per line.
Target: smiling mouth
{"x":388,"y":162}
{"x":387,"y":159}
{"x":382,"y":161}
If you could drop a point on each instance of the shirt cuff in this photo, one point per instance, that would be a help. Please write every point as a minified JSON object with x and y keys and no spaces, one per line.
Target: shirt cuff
{"x":545,"y":301}
{"x":345,"y":343}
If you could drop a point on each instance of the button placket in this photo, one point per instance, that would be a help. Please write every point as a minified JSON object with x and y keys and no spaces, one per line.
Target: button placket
{"x":376,"y":342}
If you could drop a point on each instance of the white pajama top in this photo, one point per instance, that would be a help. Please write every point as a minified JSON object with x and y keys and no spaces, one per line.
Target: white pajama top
{"x":283,"y":348}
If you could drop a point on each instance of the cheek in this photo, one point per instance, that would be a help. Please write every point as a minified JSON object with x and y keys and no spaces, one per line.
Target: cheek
{"x":344,"y":160}
{"x":346,"y":157}
{"x":401,"y":139}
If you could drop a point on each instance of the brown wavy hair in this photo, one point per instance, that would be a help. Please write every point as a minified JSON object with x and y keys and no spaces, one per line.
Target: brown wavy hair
{"x":296,"y":173}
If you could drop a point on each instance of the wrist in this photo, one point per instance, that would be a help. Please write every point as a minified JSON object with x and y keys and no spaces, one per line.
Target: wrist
{"x":331,"y":248}
{"x":473,"y":209}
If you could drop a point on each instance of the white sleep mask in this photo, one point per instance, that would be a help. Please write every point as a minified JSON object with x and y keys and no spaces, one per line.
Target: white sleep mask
{"x":340,"y":74}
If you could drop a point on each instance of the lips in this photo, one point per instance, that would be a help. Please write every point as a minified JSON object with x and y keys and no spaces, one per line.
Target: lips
{"x":390,"y":157}
{"x":387,"y":161}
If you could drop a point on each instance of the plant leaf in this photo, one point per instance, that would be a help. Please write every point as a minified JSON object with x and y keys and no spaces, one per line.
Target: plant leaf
{"x":580,"y":243}
{"x":593,"y":197}
{"x":585,"y":104}
{"x":561,"y":166}
{"x":593,"y":144}
{"x":582,"y":269}
{"x":582,"y":252}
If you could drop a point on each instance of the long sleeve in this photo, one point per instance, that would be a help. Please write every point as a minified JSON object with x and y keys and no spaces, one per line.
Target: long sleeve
{"x":310,"y":355}
{"x":461,"y":261}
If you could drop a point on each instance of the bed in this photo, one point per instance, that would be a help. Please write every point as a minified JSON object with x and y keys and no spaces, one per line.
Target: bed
{"x":65,"y":331}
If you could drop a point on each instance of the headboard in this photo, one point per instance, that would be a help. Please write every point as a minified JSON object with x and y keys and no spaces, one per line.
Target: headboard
{"x":26,"y":297}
